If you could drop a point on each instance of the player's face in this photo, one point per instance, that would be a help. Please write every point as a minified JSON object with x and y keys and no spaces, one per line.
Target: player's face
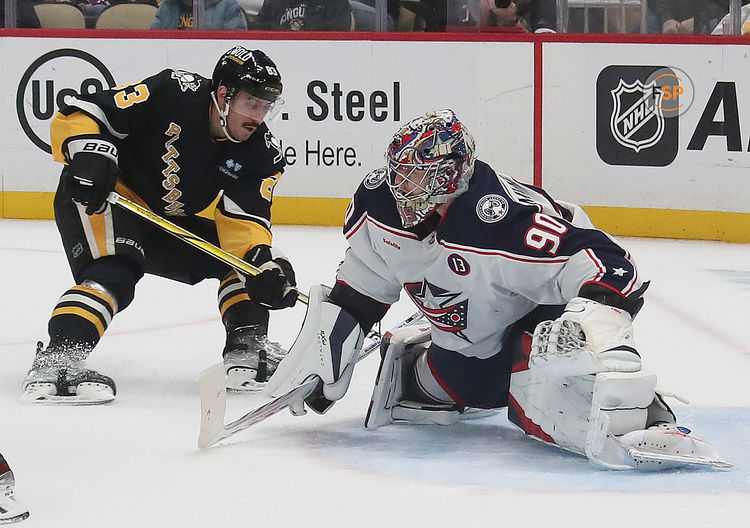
{"x":246,"y":113}
{"x":410,"y":181}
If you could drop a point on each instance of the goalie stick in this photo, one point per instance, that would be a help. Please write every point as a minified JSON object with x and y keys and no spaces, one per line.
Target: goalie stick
{"x":190,"y":238}
{"x":213,"y":393}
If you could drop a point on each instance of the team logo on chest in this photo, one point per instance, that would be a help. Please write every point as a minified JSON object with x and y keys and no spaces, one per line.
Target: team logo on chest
{"x":439,"y":306}
{"x":492,"y":208}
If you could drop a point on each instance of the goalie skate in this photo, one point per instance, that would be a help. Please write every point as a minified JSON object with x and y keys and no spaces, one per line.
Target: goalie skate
{"x":61,"y":381}
{"x":668,"y":446}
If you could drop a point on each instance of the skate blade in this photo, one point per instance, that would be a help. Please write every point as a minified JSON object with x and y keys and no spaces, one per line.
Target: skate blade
{"x":241,"y":379}
{"x":474,"y":413}
{"x":664,"y":461}
{"x":15,"y":518}
{"x":91,"y":397}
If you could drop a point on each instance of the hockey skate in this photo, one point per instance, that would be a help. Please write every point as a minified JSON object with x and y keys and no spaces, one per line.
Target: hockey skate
{"x":250,"y":358}
{"x":667,"y":446}
{"x":10,"y":510}
{"x":59,"y":377}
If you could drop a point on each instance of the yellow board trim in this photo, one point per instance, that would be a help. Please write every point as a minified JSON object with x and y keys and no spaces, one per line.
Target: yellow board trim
{"x":672,"y":223}
{"x":28,"y":205}
{"x":618,"y":221}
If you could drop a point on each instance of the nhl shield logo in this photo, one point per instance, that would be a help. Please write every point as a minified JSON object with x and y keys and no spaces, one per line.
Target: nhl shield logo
{"x":637,"y":121}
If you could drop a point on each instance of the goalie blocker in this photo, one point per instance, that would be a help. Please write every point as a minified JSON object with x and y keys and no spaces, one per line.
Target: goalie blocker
{"x":576,"y":383}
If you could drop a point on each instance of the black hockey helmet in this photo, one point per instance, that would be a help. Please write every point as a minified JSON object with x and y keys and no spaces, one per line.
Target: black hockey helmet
{"x":249,"y":70}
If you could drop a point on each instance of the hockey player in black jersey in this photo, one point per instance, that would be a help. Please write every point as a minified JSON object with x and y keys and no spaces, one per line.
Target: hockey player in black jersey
{"x":173,"y":142}
{"x":527,"y":306}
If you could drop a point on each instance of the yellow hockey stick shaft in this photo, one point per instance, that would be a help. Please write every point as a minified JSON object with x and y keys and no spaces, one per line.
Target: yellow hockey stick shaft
{"x":190,"y":238}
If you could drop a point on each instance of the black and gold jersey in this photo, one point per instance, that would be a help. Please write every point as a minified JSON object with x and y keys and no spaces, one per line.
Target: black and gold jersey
{"x":170,"y":162}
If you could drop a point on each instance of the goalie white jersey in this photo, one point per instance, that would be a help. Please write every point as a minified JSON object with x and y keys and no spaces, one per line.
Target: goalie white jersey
{"x":501,"y":249}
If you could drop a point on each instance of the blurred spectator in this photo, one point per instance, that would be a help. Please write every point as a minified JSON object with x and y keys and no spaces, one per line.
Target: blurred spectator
{"x":429,"y":15}
{"x":219,"y":14}
{"x":154,"y":3}
{"x":364,"y":14}
{"x":91,"y":10}
{"x":722,"y":28}
{"x":251,"y":8}
{"x":462,"y":14}
{"x":542,"y":16}
{"x":305,"y":15}
{"x":533,"y":15}
{"x":503,"y":16}
{"x":689,"y":16}
{"x":25,"y":14}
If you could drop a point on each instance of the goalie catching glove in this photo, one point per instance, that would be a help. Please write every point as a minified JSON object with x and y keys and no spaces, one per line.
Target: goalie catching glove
{"x":326,"y":347}
{"x":92,"y":171}
{"x":589,"y":337}
{"x":275,"y":287}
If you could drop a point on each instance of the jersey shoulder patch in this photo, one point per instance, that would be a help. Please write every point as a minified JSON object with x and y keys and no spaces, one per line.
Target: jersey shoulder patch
{"x":492,"y":208}
{"x":375,"y":200}
{"x":375,"y":178}
{"x":187,"y":80}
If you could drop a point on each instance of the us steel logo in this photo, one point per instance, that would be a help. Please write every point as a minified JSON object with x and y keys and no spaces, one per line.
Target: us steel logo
{"x":48,"y":81}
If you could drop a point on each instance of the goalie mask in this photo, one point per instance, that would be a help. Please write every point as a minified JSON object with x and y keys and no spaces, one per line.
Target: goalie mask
{"x":430,"y":162}
{"x":252,"y":72}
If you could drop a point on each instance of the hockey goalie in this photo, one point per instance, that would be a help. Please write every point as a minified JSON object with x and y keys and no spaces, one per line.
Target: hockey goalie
{"x":526,"y":306}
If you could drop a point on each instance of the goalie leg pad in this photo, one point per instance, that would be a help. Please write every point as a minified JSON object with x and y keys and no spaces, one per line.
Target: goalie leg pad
{"x":389,"y":396}
{"x":407,"y":390}
{"x":327,"y":347}
{"x":576,"y":412}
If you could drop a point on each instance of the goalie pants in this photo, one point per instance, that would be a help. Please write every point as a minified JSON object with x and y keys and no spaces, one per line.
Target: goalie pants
{"x":115,"y":249}
{"x":485,"y":383}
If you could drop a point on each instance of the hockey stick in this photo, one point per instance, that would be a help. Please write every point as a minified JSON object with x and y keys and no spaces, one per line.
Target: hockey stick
{"x":190,"y":238}
{"x":213,"y":392}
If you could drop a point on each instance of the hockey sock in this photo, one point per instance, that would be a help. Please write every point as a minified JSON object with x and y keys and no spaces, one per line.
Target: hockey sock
{"x":236,"y":307}
{"x":82,"y":315}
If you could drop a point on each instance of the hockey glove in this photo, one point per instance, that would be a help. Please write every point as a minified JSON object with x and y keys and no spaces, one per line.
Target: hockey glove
{"x":91,"y":173}
{"x":275,"y":287}
{"x":589,"y":337}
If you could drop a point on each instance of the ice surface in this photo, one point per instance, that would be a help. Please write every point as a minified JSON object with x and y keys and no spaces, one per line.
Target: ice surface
{"x":134,"y":462}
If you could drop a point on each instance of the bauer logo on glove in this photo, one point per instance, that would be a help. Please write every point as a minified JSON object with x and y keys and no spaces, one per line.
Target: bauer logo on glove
{"x":91,"y":173}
